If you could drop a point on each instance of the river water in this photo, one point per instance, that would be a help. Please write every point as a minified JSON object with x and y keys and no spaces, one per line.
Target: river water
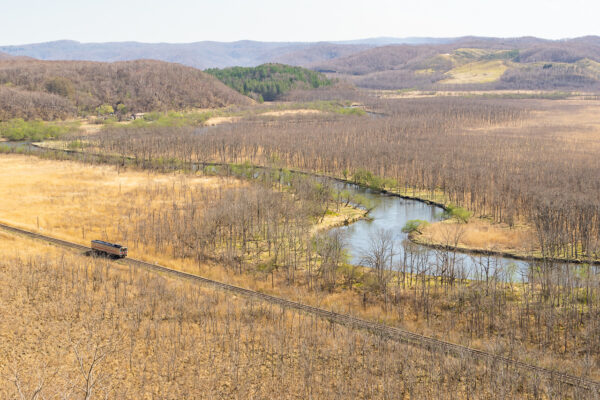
{"x":391,"y":213}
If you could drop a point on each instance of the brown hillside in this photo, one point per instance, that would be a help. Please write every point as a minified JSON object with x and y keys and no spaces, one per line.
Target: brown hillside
{"x":317,"y":53}
{"x":16,"y":103}
{"x":378,"y":59}
{"x":475,"y":63}
{"x":140,"y":85}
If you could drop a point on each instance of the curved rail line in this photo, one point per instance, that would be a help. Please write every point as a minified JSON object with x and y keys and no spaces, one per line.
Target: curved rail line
{"x":386,"y":331}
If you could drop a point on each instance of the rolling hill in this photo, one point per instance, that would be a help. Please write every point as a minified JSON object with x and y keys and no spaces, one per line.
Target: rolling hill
{"x":474,"y":63}
{"x":58,"y":89}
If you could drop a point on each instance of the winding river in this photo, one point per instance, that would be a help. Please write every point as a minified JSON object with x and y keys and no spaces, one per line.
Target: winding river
{"x":391,"y":213}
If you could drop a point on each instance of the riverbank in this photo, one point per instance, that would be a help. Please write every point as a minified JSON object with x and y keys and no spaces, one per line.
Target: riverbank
{"x":346,"y":215}
{"x":484,"y":237}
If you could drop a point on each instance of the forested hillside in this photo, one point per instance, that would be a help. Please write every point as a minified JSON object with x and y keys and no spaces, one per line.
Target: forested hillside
{"x":58,"y":89}
{"x":269,"y":81}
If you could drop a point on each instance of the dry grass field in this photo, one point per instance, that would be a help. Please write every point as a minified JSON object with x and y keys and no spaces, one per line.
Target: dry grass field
{"x":80,"y":203}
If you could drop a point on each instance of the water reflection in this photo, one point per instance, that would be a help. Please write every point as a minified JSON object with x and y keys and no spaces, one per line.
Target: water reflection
{"x":391,"y":213}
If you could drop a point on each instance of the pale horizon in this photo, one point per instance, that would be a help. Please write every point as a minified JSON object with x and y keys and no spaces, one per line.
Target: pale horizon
{"x":185,"y":21}
{"x":306,"y":41}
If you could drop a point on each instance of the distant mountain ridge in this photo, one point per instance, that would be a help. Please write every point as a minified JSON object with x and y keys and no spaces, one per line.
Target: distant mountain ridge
{"x":208,"y":54}
{"x":384,"y":41}
{"x":200,"y":55}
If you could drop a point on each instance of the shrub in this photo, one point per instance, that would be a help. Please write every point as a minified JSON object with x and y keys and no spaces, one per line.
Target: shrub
{"x":414,"y":225}
{"x":18,"y":129}
{"x":458,"y":213}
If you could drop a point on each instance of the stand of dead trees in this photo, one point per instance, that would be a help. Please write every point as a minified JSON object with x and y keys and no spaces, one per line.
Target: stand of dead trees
{"x":91,"y":331}
{"x":475,"y":151}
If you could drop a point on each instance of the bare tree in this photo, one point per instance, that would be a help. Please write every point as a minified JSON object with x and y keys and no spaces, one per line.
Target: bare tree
{"x":91,"y":353}
{"x":380,"y":256}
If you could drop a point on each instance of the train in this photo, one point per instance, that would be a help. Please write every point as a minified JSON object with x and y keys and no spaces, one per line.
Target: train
{"x":101,"y":247}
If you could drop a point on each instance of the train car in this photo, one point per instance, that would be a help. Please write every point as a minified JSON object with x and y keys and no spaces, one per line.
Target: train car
{"x":109,"y":249}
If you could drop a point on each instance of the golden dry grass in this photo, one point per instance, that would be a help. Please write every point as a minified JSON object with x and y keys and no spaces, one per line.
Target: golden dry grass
{"x":575,"y":122}
{"x":476,"y":72}
{"x":344,"y":216}
{"x":291,"y":112}
{"x":481,"y":234}
{"x":220,"y":120}
{"x":79,"y":202}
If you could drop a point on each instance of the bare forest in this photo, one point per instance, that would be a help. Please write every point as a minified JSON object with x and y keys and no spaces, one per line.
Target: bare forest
{"x":483,"y":155}
{"x":96,"y":331}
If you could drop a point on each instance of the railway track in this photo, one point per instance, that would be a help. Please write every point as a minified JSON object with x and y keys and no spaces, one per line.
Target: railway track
{"x":386,"y":331}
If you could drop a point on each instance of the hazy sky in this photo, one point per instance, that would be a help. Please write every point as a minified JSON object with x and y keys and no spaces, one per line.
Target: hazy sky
{"x":30,"y":21}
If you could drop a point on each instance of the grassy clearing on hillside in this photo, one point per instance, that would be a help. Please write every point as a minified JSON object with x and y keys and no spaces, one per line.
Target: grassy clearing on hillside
{"x":476,"y":72}
{"x":591,"y":66}
{"x":467,"y":55}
